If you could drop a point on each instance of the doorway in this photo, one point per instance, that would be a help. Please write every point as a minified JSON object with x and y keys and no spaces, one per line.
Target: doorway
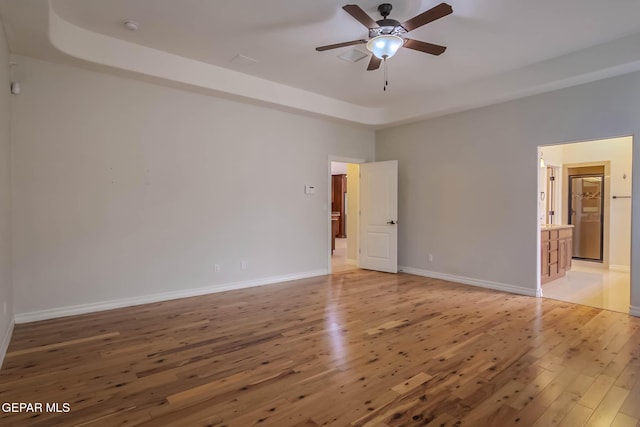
{"x":343,"y":208}
{"x":371,"y":215}
{"x":586,"y":208}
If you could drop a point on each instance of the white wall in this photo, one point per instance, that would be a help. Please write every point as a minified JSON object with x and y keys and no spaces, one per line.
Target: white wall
{"x":124,"y":189}
{"x":468,"y":182}
{"x":618,"y":152}
{"x":6,"y":306}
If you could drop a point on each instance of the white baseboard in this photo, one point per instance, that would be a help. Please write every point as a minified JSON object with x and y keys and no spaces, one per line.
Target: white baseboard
{"x":4,"y":345}
{"x":623,"y":268}
{"x":352,"y":261}
{"x":469,"y":281}
{"x":634,"y":311}
{"x":53,"y":313}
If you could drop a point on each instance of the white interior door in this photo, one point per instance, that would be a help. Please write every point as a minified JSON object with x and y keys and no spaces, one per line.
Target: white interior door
{"x":379,"y":216}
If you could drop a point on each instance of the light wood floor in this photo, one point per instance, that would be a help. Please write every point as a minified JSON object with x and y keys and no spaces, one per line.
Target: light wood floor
{"x":357,"y":348}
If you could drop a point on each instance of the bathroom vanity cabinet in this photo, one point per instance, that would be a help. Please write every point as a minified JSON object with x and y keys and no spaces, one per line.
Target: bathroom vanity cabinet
{"x":556,"y":245}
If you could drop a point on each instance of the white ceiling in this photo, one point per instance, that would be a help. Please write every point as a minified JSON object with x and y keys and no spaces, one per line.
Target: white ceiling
{"x":488,"y":41}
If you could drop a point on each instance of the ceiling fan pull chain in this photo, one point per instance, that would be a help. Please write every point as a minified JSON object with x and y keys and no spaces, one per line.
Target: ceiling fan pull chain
{"x":386,"y":76}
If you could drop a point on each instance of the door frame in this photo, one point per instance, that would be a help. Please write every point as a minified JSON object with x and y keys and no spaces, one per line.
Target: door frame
{"x":607,"y":165}
{"x":340,"y":159}
{"x":571,"y":210}
{"x":606,"y":202}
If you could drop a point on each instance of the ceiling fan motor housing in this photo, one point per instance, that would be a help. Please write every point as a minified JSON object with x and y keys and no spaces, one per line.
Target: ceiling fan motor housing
{"x":392,"y":23}
{"x":386,"y":25}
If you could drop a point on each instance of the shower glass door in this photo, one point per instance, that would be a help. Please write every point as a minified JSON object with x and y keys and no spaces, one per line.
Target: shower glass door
{"x":586,"y":213}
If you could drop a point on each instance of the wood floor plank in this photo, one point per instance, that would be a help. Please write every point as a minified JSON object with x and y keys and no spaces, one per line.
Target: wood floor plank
{"x":561,"y":406}
{"x":609,"y":407}
{"x":358,"y":348}
{"x":631,"y":405}
{"x":623,"y":420}
{"x":49,"y":347}
{"x":597,"y":391}
{"x":577,"y":416}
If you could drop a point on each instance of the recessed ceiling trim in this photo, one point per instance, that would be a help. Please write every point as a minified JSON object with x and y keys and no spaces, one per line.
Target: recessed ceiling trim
{"x":607,"y":60}
{"x":610,"y":59}
{"x":111,"y":52}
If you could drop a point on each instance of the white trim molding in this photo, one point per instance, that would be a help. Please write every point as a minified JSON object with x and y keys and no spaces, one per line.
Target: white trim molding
{"x":469,"y":281}
{"x":53,"y":313}
{"x":623,"y":268}
{"x":634,"y":311}
{"x":4,"y":345}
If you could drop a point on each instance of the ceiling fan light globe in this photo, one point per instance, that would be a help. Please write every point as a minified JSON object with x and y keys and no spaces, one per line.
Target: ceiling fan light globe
{"x":385,"y":45}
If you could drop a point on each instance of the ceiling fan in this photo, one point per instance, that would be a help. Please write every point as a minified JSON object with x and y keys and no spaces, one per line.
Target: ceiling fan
{"x":385,"y":35}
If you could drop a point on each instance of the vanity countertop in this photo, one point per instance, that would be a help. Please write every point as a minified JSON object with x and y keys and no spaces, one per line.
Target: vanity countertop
{"x":555,"y":226}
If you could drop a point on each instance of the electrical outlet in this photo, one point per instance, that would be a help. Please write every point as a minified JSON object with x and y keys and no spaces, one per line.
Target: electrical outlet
{"x":430,"y":257}
{"x":243,"y":264}
{"x":216,"y":268}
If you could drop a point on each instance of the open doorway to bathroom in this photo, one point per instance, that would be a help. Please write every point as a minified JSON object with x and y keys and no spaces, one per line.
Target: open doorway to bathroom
{"x":587,"y":210}
{"x":344,"y":216}
{"x":584,"y":211}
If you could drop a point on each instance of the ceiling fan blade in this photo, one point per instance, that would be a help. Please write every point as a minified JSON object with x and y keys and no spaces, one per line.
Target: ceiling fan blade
{"x":374,"y":63}
{"x":360,"y":15}
{"x":433,"y":49}
{"x":437,"y":12}
{"x":337,"y":45}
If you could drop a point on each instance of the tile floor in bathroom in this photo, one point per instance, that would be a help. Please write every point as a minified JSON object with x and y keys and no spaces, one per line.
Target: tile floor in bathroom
{"x":588,"y":283}
{"x":339,"y":258}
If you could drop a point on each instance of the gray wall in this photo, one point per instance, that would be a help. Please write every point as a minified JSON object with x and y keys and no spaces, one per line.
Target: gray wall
{"x":467,"y":181}
{"x":124,"y":189}
{"x":6,"y":306}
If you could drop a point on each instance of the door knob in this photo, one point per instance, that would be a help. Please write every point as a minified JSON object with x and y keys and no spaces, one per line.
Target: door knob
{"x":391,"y":222}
